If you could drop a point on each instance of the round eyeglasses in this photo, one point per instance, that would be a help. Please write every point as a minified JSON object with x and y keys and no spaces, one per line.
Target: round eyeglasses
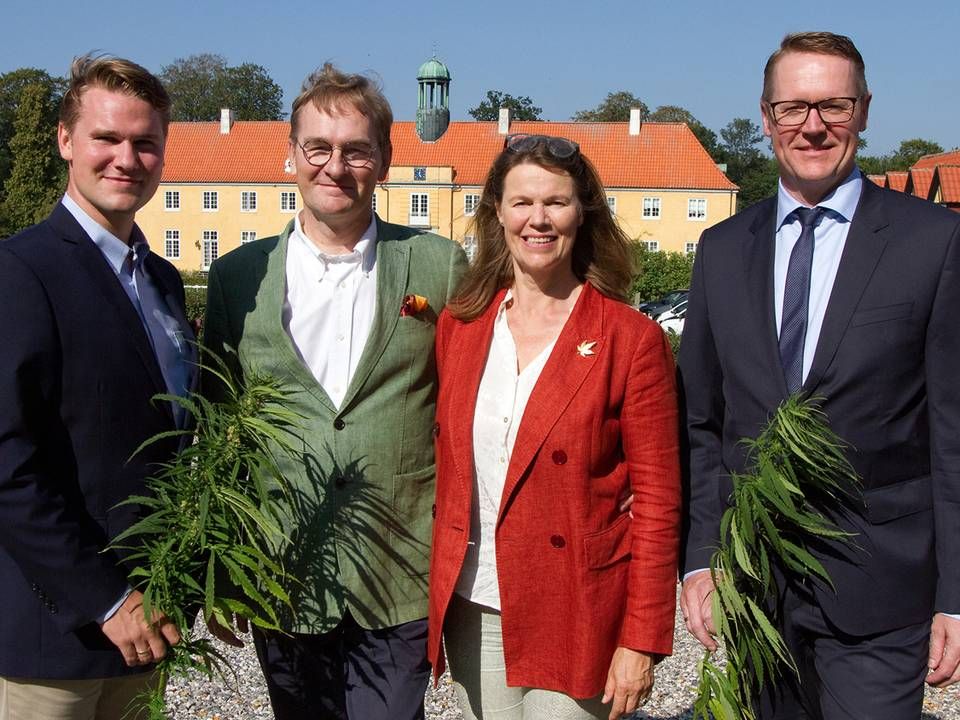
{"x":318,"y":153}
{"x":832,"y":111}
{"x":559,"y":147}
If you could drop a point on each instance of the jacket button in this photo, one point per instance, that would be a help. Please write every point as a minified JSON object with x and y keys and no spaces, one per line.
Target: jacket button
{"x":339,"y":481}
{"x":559,"y":457}
{"x":433,"y":510}
{"x":557,"y":541}
{"x":339,"y":424}
{"x":436,"y":429}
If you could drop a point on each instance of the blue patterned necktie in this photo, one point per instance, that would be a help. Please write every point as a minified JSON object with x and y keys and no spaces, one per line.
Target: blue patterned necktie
{"x":796,"y":299}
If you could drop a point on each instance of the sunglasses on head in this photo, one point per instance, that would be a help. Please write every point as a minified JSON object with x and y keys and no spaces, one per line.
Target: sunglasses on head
{"x":559,"y":147}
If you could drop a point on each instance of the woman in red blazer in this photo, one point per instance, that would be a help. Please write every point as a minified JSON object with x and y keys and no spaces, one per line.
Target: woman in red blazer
{"x":556,"y":399}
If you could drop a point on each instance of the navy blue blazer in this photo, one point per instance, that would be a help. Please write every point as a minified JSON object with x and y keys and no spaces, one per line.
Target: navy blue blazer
{"x":77,"y":374}
{"x":886,"y":366}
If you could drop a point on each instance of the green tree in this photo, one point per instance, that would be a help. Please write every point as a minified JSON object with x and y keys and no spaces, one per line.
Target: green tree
{"x":36,"y":174}
{"x":199,"y":85}
{"x":739,"y":138}
{"x":747,"y":166}
{"x":521,"y":107}
{"x":910,"y":151}
{"x":706,"y":136}
{"x":615,"y":108}
{"x":657,"y":273}
{"x":12,"y":85}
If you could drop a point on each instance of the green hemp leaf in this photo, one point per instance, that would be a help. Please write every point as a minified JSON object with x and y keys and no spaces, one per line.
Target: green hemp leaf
{"x":209,"y":520}
{"x":798,"y":474}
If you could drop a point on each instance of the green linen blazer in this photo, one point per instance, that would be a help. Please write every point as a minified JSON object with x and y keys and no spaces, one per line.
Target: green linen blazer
{"x":359,"y":517}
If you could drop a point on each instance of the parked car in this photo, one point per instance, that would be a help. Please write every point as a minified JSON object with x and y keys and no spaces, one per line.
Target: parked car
{"x":674,"y":323}
{"x":678,"y":310}
{"x":655,"y":307}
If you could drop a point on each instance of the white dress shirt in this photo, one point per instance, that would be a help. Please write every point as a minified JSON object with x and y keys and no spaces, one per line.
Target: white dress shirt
{"x":830,"y":236}
{"x":329,"y":305}
{"x":501,"y":400}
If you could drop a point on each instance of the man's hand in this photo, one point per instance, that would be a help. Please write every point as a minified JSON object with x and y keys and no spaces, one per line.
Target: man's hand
{"x":140,"y":642}
{"x":944,"y":660}
{"x":629,"y":681}
{"x":226,"y":634}
{"x":696,"y":606}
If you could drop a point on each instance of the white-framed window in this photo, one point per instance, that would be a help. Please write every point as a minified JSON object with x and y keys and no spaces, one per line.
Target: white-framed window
{"x":248,"y":201}
{"x":374,"y":202}
{"x":612,"y":204}
{"x":470,"y":202}
{"x":171,"y":200}
{"x":211,"y":247}
{"x":211,"y":200}
{"x":651,"y":207}
{"x":419,"y":209}
{"x":288,"y":201}
{"x":691,"y":248}
{"x":171,"y":244}
{"x":697,"y":209}
{"x":652,"y":245}
{"x":247,"y":236}
{"x":470,"y":246}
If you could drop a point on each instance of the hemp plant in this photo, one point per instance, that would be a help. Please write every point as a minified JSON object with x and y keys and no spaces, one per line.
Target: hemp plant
{"x":210,"y":520}
{"x":798,"y":472}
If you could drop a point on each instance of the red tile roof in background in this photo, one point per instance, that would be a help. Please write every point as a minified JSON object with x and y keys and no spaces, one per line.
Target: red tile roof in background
{"x":897,"y":179}
{"x":919,"y":182}
{"x":948,"y":177}
{"x":663,"y":155}
{"x":951,"y":157}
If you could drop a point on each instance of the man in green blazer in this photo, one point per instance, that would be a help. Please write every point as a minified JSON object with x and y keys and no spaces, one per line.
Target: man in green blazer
{"x":341,"y":308}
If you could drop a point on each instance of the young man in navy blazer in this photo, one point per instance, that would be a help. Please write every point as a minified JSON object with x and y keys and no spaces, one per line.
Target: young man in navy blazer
{"x":93,"y":327}
{"x":845,"y":292}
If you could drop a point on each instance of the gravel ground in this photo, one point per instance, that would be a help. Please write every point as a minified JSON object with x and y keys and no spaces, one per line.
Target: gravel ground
{"x":198,"y":699}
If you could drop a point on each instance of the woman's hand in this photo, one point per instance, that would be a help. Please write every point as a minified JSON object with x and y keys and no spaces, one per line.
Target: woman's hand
{"x":629,"y":681}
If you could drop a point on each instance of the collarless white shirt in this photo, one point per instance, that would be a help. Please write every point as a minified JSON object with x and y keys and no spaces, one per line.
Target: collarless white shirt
{"x":501,"y":400}
{"x":830,"y":237}
{"x":329,"y":305}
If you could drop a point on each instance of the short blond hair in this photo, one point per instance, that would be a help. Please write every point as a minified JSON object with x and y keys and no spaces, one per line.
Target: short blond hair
{"x":824,"y":43}
{"x":116,"y":75}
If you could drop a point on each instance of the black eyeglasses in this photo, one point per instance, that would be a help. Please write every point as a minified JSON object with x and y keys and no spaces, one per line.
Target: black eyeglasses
{"x":559,"y":147}
{"x":832,"y":111}
{"x":318,"y":153}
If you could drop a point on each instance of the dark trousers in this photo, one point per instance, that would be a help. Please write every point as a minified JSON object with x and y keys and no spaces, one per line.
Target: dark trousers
{"x":349,"y":673}
{"x":845,"y":677}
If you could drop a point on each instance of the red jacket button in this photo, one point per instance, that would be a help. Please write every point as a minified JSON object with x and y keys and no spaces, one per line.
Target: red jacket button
{"x":557,"y":541}
{"x":559,"y":457}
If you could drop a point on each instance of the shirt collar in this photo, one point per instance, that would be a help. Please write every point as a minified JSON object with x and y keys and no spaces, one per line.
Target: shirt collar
{"x":365,"y":250}
{"x":113,"y":248}
{"x":842,"y":201}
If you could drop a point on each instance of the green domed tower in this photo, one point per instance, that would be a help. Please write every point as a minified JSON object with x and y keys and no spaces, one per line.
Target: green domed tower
{"x":433,"y":102}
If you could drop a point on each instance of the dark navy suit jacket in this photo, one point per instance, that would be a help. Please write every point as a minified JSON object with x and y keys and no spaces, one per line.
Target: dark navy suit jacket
{"x":887,"y":366}
{"x":77,"y":374}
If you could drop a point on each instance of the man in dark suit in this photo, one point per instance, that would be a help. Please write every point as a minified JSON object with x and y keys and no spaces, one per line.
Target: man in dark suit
{"x":93,"y":327}
{"x":849,"y":293}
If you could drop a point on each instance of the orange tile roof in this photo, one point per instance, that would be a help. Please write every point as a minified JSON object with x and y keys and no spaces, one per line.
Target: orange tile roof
{"x":663,"y":155}
{"x":897,"y":179}
{"x":948,"y":179}
{"x":880,"y":180}
{"x":919,"y":182}
{"x":951,"y":157}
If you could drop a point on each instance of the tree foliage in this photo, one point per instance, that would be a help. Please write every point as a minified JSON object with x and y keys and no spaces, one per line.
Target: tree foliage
{"x":521,"y":107}
{"x":200,"y":85}
{"x":614,"y":108}
{"x":36,"y":177}
{"x":910,"y":151}
{"x":657,"y":273}
{"x":747,"y":166}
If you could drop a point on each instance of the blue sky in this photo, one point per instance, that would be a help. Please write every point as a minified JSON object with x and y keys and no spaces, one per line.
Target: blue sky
{"x":707,"y":57}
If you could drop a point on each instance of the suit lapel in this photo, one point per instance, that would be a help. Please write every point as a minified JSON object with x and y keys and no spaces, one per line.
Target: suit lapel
{"x":98,"y":272}
{"x":270,"y":297}
{"x":861,"y":252}
{"x":758,"y":254}
{"x":393,"y":266}
{"x":562,"y":376}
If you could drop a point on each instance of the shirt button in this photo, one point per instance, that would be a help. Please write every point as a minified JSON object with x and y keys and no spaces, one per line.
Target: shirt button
{"x":339,"y":424}
{"x":342,"y":285}
{"x":340,"y":338}
{"x":559,"y":457}
{"x":502,"y":459}
{"x":557,"y":541}
{"x":506,"y":419}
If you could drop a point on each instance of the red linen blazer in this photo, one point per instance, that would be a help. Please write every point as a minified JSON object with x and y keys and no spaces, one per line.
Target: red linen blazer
{"x":578,"y":577}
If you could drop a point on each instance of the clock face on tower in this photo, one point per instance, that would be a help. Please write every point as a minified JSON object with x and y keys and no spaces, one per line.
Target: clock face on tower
{"x":419,"y":173}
